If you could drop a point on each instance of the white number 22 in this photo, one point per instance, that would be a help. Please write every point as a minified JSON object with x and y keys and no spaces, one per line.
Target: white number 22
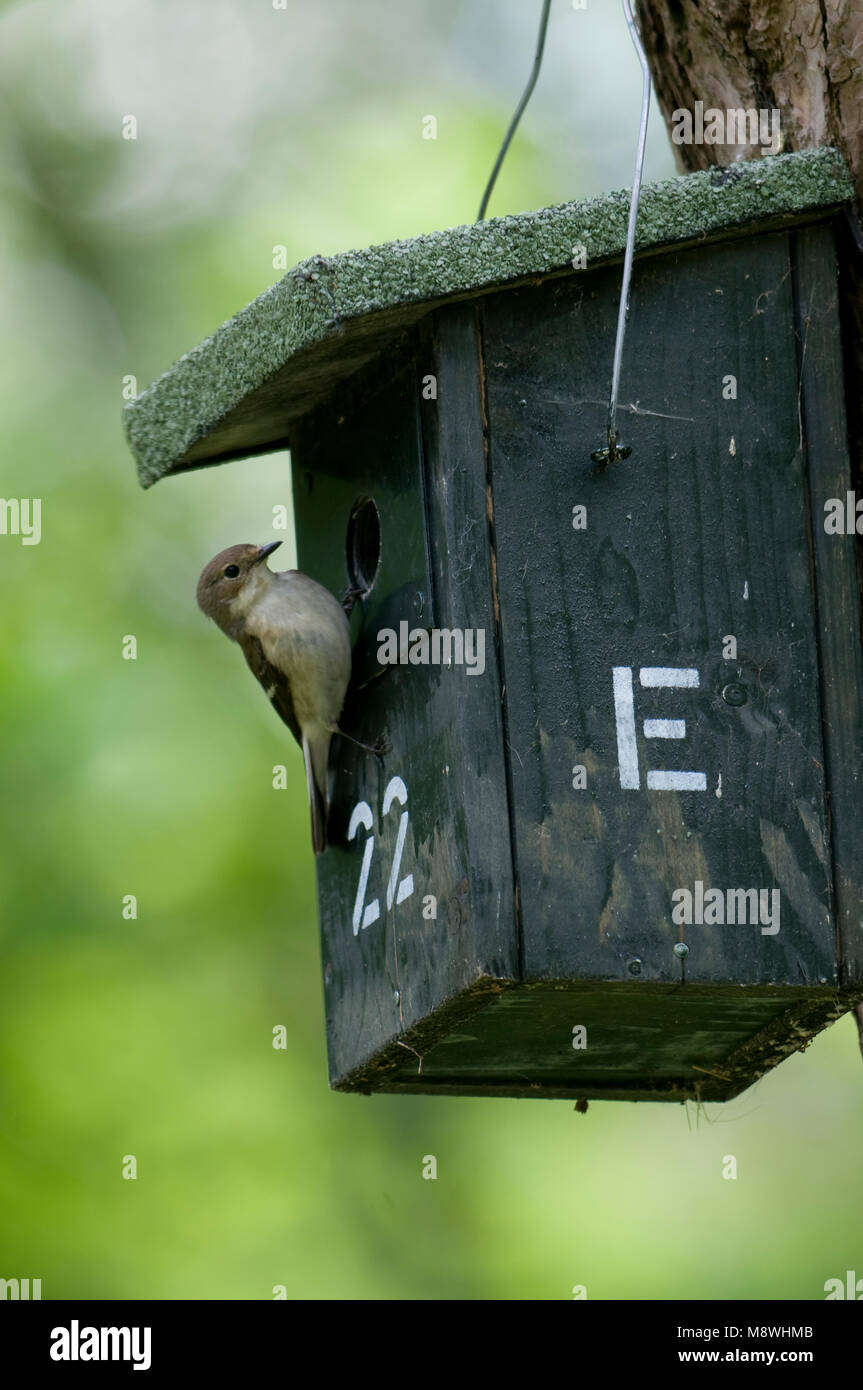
{"x":366,"y":913}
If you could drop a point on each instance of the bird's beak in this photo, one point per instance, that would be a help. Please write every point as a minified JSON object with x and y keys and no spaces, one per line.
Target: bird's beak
{"x":265,"y":550}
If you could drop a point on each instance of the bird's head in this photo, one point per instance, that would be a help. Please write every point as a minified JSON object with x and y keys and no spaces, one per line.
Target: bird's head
{"x":231,"y":581}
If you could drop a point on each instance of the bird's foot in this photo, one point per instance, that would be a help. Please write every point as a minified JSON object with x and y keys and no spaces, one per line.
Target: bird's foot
{"x":377,"y":749}
{"x":350,"y":599}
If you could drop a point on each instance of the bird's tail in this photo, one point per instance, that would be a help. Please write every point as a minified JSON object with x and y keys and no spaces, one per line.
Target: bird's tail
{"x":317,"y":800}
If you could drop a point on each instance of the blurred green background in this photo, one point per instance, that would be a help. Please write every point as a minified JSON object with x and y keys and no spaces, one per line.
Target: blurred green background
{"x":299,"y":127}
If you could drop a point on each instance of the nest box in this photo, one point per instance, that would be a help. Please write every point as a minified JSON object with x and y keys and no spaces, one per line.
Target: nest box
{"x":613,"y":849}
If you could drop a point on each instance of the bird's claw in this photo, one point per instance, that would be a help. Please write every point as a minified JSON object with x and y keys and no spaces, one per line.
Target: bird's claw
{"x":350,"y":599}
{"x":377,"y":749}
{"x":380,"y":748}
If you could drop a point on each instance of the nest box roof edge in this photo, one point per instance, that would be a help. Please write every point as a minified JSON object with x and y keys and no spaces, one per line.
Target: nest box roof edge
{"x":237,"y":393}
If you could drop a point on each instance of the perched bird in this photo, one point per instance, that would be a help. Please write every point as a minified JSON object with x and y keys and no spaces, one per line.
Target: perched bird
{"x":295,"y":637}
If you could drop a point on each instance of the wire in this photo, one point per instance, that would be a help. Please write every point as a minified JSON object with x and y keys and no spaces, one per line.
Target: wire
{"x":519,"y":110}
{"x":614,"y":450}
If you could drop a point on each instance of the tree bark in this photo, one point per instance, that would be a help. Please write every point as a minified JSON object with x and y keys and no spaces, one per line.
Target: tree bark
{"x":802,"y":57}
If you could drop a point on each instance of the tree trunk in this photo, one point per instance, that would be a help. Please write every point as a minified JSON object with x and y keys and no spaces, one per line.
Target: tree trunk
{"x":801,"y":57}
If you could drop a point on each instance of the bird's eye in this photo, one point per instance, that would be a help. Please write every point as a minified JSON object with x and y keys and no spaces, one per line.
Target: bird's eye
{"x":231,"y":571}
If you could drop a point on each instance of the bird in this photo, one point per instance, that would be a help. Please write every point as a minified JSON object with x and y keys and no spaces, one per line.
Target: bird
{"x":295,"y":637}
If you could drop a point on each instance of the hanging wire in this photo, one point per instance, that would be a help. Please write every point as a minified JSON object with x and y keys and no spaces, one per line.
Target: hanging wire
{"x":615,"y":450}
{"x":526,"y":95}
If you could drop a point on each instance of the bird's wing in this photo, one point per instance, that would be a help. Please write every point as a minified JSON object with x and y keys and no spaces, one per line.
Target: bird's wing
{"x":274,"y":681}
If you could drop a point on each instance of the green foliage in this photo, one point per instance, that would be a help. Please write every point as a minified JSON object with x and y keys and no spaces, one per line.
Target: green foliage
{"x":152,"y":777}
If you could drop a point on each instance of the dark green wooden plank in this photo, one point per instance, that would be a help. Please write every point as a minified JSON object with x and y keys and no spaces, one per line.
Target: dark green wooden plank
{"x":643,"y":1042}
{"x":340,"y":456}
{"x":457,"y":500}
{"x":690,"y":539}
{"x":441,"y":724}
{"x":822,"y":403}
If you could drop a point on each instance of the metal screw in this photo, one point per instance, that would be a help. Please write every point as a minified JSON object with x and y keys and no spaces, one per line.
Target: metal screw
{"x":396,"y":996}
{"x":634,"y":966}
{"x":419,"y":604}
{"x":681,"y":949}
{"x":734,"y":693}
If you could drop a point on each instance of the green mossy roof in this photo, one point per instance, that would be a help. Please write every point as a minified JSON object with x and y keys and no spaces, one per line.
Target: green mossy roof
{"x":239,"y":392}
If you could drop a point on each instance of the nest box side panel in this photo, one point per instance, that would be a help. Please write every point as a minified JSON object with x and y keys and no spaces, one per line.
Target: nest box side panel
{"x":415,"y":907}
{"x":660,"y":644}
{"x":835,"y":557}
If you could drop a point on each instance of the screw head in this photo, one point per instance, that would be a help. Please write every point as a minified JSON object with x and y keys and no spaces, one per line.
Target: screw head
{"x":634,"y":966}
{"x":734,"y":693}
{"x":419,"y":604}
{"x":681,"y":949}
{"x":396,"y":996}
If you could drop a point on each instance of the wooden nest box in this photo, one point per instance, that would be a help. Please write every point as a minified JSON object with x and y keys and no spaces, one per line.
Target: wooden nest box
{"x":614,"y":848}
